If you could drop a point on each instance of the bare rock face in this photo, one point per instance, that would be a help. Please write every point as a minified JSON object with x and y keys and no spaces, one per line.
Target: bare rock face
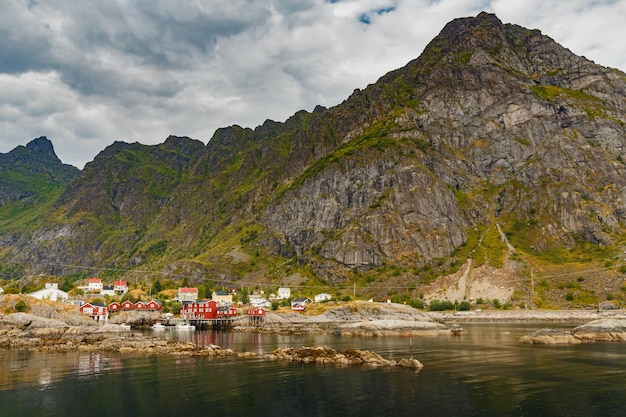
{"x":487,"y":106}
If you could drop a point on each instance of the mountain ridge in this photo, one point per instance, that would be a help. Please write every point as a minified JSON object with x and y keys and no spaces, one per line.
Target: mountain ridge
{"x":494,"y":138}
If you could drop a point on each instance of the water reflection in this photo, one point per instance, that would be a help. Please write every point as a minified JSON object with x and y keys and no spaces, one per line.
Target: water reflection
{"x":486,"y":372}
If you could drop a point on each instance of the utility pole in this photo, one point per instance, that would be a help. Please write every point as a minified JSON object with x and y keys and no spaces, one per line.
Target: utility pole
{"x":532,"y":287}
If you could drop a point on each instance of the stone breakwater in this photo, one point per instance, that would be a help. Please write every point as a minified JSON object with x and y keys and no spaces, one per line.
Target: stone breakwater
{"x":329,"y":356}
{"x":601,"y":330}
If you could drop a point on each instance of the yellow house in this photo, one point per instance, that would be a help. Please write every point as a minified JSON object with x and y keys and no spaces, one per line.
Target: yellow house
{"x":222,"y":297}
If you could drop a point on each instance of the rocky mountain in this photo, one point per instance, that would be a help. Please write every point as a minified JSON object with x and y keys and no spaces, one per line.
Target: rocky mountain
{"x":30,"y":173}
{"x":495,"y":148}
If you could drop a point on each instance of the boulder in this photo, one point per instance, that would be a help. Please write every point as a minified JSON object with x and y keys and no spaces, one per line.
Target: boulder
{"x":602,"y":330}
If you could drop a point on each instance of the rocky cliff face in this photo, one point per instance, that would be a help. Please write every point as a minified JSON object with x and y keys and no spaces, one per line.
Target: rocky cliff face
{"x":492,"y":123}
{"x":496,"y":141}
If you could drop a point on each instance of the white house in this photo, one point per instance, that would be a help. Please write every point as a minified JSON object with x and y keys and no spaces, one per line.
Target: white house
{"x":322,"y":297}
{"x":108,"y":290}
{"x":283,"y":293}
{"x":257,"y":300}
{"x":94,"y":285}
{"x":187,"y":294}
{"x":120,"y":287}
{"x":50,"y":292}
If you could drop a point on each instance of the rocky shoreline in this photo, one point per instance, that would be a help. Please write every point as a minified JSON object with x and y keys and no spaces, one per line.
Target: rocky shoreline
{"x":52,"y":328}
{"x":358,"y":318}
{"x":27,"y":331}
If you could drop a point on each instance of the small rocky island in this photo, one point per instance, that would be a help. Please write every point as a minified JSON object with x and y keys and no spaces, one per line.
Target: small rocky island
{"x":328,"y":356}
{"x":600,"y":330}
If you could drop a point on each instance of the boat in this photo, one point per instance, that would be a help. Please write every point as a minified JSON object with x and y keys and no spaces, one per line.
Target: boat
{"x":185,"y":326}
{"x":157,"y":326}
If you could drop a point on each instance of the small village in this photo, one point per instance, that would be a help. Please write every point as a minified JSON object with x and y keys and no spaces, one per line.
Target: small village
{"x":102,"y":302}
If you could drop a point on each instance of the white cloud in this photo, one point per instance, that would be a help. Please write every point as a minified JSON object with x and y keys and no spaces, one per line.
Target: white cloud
{"x":86,"y":75}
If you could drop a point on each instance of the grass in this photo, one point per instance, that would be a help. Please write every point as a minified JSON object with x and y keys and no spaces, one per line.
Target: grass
{"x":592,"y":105}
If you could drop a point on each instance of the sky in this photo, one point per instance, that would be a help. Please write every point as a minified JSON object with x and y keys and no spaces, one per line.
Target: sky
{"x":86,"y":74}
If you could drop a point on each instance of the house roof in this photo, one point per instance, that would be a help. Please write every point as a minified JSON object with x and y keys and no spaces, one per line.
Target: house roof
{"x":119,"y":283}
{"x":187,"y":289}
{"x":94,"y":280}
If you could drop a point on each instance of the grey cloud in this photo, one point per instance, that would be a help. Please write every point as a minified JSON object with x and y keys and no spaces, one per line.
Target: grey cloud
{"x":86,"y":74}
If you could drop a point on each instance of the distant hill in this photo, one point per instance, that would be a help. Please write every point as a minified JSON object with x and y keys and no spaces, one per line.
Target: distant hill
{"x":496,"y":150}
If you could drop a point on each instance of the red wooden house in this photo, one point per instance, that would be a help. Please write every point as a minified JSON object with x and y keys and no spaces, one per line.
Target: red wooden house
{"x":258,"y":312}
{"x":206,"y":310}
{"x":154,"y":305}
{"x":114,"y":307}
{"x":95,"y":311}
{"x":256,"y":315}
{"x":226,"y":311}
{"x":140,"y":305}
{"x":128,"y":305}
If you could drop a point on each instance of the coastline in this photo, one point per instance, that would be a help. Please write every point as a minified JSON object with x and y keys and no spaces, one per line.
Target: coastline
{"x":547,"y":316}
{"x":72,"y":332}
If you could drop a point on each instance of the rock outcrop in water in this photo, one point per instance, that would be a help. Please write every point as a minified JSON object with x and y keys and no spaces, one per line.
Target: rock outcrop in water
{"x":328,"y":356}
{"x":601,"y":330}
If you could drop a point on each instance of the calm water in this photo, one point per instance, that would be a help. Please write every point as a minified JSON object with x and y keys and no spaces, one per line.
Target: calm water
{"x":485,"y":373}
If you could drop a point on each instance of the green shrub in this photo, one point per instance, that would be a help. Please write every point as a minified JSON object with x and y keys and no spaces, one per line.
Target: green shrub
{"x":569,"y":296}
{"x":439,"y":305}
{"x":416,"y":303}
{"x":465,"y":306}
{"x":21,"y":306}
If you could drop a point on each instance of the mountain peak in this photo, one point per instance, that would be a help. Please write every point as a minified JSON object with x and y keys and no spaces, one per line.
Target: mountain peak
{"x":42,"y":145}
{"x":484,"y":31}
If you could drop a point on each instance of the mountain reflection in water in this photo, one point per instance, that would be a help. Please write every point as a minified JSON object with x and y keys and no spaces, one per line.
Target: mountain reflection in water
{"x":484,"y":373}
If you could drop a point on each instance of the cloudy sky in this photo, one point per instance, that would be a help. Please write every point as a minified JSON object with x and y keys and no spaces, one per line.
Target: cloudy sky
{"x":85,"y":74}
